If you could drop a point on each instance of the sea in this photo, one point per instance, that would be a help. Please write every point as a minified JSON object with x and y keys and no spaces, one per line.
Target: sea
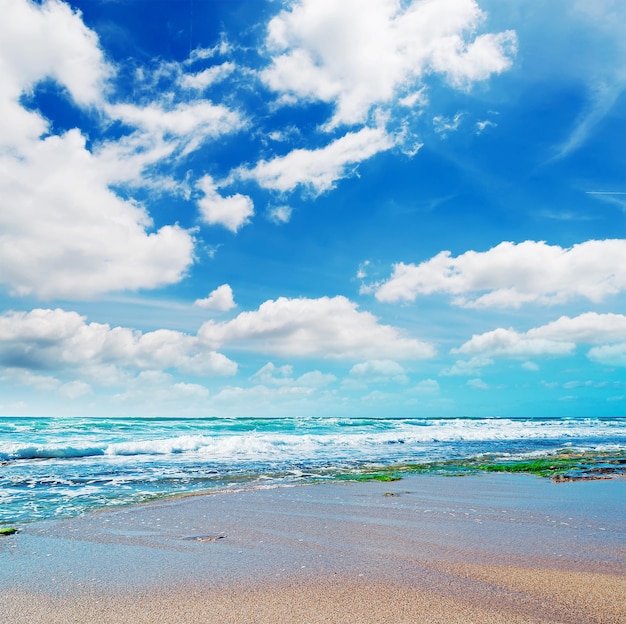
{"x":68,"y":466}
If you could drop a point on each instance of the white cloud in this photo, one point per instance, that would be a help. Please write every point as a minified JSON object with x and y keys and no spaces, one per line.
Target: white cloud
{"x":272,"y":375}
{"x":358,"y":54}
{"x":465,"y":64}
{"x":481,"y":126}
{"x":233,"y":212}
{"x":156,"y":392}
{"x":315,"y":379}
{"x":609,"y":355}
{"x":361,"y":272}
{"x":590,"y":327}
{"x":510,"y":274}
{"x":512,"y":343}
{"x":64,"y":232}
{"x":198,"y":118}
{"x":74,"y":390}
{"x":477,"y":384}
{"x":39,"y":41}
{"x":59,"y":340}
{"x":221,"y":299}
{"x":467,"y":368}
{"x":279,"y":214}
{"x":379,"y":371}
{"x":585,"y":384}
{"x":325,"y":327}
{"x":426,"y":386}
{"x":275,"y":401}
{"x":186,"y":390}
{"x":376,"y":396}
{"x":530,"y":366}
{"x":24,"y":377}
{"x":557,"y":338}
{"x":417,"y":98}
{"x":444,"y":125}
{"x":207,"y":77}
{"x":319,"y":169}
{"x":200,"y":54}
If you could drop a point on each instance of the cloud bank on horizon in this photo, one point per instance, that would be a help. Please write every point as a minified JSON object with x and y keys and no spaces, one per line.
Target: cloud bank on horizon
{"x":310,"y":207}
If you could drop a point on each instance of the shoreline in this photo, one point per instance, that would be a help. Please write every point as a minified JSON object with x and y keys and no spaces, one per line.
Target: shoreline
{"x":560,"y":466}
{"x":484,"y":548}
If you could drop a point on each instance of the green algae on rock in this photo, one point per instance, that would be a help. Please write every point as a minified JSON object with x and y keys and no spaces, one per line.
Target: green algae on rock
{"x":564,"y":465}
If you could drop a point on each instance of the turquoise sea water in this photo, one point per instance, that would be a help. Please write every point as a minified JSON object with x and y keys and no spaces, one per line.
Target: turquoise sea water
{"x":57,"y":467}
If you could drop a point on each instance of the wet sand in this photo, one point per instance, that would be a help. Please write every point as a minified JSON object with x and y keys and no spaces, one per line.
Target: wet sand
{"x":493,"y":548}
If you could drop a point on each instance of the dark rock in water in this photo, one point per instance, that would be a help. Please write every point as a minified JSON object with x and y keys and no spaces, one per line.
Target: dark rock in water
{"x":565,"y":478}
{"x":204,"y":538}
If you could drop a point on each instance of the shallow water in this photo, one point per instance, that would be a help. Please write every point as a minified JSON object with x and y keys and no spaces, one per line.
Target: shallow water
{"x":383,"y":530}
{"x":60,"y":467}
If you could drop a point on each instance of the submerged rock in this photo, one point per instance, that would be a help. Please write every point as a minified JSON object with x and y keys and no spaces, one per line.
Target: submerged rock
{"x":204,"y":538}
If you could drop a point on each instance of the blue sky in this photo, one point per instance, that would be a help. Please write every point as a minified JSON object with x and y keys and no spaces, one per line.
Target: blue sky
{"x":364,"y":208}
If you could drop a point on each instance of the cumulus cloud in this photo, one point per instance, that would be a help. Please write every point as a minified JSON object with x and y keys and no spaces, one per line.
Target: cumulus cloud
{"x":25,"y":377}
{"x":221,"y":299}
{"x":358,"y":54}
{"x":609,"y":355}
{"x":65,"y":229}
{"x":379,"y":371}
{"x":557,"y":338}
{"x":325,"y":327}
{"x":233,"y":212}
{"x":272,"y":375}
{"x":319,"y":169}
{"x":590,"y":327}
{"x":57,"y":340}
{"x":39,"y":41}
{"x":510,"y":275}
{"x":68,"y":235}
{"x":510,"y":342}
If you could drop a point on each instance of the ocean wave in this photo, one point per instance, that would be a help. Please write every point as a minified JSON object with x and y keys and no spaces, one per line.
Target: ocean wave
{"x":12,"y":452}
{"x":365,"y":438}
{"x":63,"y":467}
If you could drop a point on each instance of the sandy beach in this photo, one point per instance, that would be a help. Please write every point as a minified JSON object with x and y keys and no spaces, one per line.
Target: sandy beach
{"x":491,"y":548}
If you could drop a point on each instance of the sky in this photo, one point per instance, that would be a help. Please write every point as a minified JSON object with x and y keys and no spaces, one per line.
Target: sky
{"x":366,"y":208}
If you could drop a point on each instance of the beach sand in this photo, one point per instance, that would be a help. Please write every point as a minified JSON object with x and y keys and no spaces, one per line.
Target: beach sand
{"x":492,"y":548}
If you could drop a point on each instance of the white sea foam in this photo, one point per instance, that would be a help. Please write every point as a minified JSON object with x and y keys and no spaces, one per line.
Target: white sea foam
{"x":12,"y":451}
{"x":257,"y":445}
{"x":54,"y":467}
